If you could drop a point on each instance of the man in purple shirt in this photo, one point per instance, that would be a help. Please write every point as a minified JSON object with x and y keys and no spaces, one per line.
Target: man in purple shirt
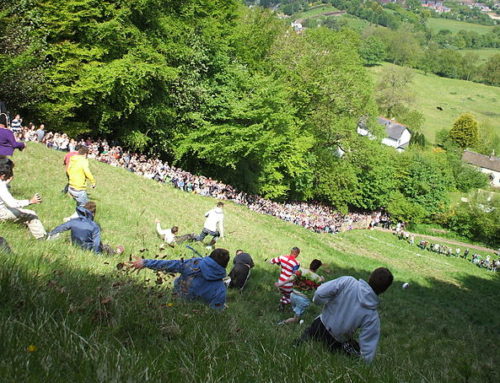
{"x":7,"y":142}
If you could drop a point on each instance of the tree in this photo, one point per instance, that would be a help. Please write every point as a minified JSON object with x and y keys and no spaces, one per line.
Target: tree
{"x":491,"y":70}
{"x":393,"y":89}
{"x":372,"y":50}
{"x":465,"y":132}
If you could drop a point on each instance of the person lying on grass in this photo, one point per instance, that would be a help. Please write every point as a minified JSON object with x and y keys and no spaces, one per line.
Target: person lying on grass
{"x":85,"y":232}
{"x":305,"y":282}
{"x":349,"y":305}
{"x":170,"y":235}
{"x":200,"y":278}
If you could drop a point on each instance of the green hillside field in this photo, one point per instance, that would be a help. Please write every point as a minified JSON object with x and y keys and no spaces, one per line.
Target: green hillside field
{"x":70,"y":316}
{"x":454,"y":97}
{"x":484,"y":54}
{"x":436,"y":24}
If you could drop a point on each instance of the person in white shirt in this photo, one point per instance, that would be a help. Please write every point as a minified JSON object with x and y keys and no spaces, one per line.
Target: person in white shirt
{"x":11,"y":209}
{"x":170,"y":235}
{"x":214,"y":224}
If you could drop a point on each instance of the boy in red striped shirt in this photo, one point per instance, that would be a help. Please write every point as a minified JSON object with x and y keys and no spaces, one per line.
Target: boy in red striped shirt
{"x":289,"y":265}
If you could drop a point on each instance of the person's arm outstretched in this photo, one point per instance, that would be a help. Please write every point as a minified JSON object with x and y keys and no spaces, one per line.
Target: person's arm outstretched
{"x":173,"y":266}
{"x":59,"y":229}
{"x":368,"y":338}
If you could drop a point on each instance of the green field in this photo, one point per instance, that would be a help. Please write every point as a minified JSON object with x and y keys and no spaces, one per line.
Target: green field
{"x":314,"y":12}
{"x":71,"y":316}
{"x":484,"y":54}
{"x":437,"y":24}
{"x":454,"y":97}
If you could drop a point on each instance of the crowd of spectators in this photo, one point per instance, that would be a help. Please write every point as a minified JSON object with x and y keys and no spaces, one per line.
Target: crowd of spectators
{"x":313,"y":216}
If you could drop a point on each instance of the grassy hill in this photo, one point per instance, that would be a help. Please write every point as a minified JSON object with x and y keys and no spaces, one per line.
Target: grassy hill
{"x":454,"y":97}
{"x":436,"y":24}
{"x":68,"y":315}
{"x":484,"y":54}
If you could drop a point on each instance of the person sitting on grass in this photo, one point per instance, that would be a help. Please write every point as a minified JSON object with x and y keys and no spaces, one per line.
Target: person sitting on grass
{"x":12,"y":209}
{"x":240,"y":272}
{"x":170,"y":235}
{"x":85,"y":232}
{"x":305,"y":282}
{"x":200,"y":278}
{"x":349,"y":305}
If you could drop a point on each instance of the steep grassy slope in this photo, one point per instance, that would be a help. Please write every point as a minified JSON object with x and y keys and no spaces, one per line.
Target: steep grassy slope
{"x":67,"y":315}
{"x":436,"y":24}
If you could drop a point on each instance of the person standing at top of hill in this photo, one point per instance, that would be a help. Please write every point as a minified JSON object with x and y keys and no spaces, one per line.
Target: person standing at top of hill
{"x":214,"y":224}
{"x":349,"y":305}
{"x":289,"y":265}
{"x":16,"y":124}
{"x":78,"y":174}
{"x":305,"y":282}
{"x":8,"y":142}
{"x":12,"y":209}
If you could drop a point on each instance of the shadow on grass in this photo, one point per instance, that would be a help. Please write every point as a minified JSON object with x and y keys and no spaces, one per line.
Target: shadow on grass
{"x":89,"y":326}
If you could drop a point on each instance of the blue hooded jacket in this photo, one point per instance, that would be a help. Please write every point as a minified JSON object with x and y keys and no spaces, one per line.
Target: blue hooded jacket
{"x":201,"y":278}
{"x":84,"y":231}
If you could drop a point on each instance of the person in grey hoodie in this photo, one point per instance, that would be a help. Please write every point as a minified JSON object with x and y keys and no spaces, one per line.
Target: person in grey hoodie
{"x":350,"y":304}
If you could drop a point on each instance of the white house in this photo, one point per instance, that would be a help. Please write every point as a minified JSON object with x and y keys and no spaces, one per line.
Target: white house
{"x":397,"y":135}
{"x":487,"y":164}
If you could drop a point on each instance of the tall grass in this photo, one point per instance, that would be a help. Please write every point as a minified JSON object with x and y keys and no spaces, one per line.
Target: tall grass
{"x":69,"y":315}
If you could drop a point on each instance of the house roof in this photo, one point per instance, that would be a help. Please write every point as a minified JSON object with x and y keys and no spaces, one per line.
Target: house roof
{"x":482,"y":161}
{"x":393,"y":129}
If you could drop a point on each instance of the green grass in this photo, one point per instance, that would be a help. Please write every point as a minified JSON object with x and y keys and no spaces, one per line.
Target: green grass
{"x":437,"y":24}
{"x":454,"y":97}
{"x":90,"y":322}
{"x":314,"y":12}
{"x":484,"y":54}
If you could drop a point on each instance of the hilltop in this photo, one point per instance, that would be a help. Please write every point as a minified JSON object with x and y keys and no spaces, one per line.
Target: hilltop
{"x":87,"y":321}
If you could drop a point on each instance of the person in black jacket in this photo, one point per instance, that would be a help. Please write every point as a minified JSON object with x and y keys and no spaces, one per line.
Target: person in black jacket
{"x":240,"y":273}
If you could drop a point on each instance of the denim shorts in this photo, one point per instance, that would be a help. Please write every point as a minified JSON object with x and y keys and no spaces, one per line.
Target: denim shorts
{"x":299,"y":304}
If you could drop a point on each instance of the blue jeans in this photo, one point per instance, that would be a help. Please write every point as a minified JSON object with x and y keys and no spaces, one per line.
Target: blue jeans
{"x":80,"y":196}
{"x":205,"y":232}
{"x":299,"y":304}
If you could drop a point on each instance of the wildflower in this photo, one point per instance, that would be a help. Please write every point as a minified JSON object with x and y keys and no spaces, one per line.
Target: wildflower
{"x":31,"y":348}
{"x":170,"y":304}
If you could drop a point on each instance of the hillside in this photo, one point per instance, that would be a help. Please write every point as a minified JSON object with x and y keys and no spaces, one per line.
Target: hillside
{"x":436,"y":24}
{"x":86,"y":321}
{"x":454,"y":97}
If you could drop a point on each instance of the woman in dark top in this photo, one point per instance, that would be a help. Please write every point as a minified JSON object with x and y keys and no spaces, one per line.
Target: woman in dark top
{"x":8,"y":142}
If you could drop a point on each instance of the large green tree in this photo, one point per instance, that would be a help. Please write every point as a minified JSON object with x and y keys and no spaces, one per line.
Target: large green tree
{"x":465,"y":131}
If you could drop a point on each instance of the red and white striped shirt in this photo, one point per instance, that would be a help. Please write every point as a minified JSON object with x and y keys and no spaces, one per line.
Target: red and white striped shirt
{"x":289,"y":265}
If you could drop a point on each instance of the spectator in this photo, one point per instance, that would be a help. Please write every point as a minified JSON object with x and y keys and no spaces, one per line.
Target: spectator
{"x":201,"y":278}
{"x":7,"y":142}
{"x":11,"y":209}
{"x":16,"y":124}
{"x":40,"y":133}
{"x":349,"y":305}
{"x":170,"y":235}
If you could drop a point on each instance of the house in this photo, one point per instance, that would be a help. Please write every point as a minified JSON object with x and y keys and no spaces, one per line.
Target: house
{"x":397,"y":135}
{"x":487,"y":164}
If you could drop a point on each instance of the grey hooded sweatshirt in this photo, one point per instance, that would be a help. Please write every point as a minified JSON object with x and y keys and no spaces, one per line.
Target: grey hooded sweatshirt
{"x":350,"y":304}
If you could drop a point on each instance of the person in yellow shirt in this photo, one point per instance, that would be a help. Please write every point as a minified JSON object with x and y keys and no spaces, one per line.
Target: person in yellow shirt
{"x":78,"y":175}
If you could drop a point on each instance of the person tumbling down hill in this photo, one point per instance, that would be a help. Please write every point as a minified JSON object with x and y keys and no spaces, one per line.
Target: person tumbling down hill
{"x":214,"y":224}
{"x":200,"y":278}
{"x":305,"y":282}
{"x":349,"y":305}
{"x":170,"y":235}
{"x":240,"y":272}
{"x":12,"y":209}
{"x":85,"y":232}
{"x":289,"y":265}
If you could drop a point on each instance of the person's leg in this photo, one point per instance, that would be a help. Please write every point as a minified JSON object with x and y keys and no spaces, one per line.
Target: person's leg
{"x":317,"y":331}
{"x":200,"y":237}
{"x":28,"y":217}
{"x":185,"y":237}
{"x":286,"y":291}
{"x":80,"y":196}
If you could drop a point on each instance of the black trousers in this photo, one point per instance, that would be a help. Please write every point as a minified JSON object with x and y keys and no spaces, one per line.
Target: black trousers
{"x":318,"y":332}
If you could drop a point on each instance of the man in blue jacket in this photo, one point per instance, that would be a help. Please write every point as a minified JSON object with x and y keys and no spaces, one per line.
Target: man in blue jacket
{"x":350,"y":304}
{"x":201,"y":278}
{"x":84,"y":231}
